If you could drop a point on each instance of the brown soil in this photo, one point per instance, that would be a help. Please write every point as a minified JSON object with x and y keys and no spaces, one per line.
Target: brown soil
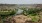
{"x":21,"y":19}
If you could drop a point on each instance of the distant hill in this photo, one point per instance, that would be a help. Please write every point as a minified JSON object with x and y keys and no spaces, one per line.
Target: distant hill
{"x":12,"y":6}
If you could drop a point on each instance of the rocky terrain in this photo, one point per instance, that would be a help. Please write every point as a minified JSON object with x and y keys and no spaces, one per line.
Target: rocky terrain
{"x":20,"y":18}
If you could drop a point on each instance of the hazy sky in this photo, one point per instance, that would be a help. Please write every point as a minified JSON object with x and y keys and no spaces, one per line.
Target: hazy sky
{"x":21,"y":1}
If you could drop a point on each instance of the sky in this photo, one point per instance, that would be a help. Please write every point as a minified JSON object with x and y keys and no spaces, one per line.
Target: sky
{"x":20,"y":1}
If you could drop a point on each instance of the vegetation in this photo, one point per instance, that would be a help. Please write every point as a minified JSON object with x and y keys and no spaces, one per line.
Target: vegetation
{"x":6,"y":13}
{"x":34,"y":18}
{"x":32,"y":12}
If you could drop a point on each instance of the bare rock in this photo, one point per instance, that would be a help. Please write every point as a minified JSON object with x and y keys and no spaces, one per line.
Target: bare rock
{"x":9,"y":20}
{"x":21,"y":18}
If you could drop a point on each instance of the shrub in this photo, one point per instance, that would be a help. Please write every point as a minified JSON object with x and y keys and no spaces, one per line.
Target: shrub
{"x":32,"y":11}
{"x":34,"y":18}
{"x":7,"y":13}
